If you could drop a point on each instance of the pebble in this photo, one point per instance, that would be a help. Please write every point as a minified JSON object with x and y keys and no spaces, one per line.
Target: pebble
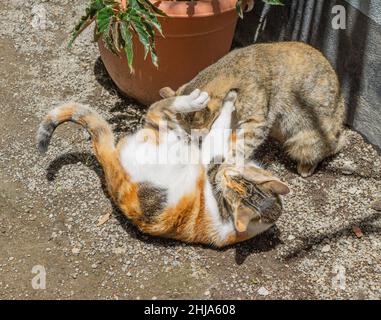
{"x":353,"y":190}
{"x":75,"y":250}
{"x":348,"y":167}
{"x":262,"y":291}
{"x":120,"y":250}
{"x":207,"y":293}
{"x":326,"y":248}
{"x":291,"y":237}
{"x":377,"y":205}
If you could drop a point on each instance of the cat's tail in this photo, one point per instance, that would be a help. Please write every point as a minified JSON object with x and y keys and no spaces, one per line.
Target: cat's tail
{"x":100,"y":131}
{"x":118,"y":182}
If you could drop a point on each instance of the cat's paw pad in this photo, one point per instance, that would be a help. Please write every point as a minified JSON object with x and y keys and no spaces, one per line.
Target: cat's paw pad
{"x":198,"y":99}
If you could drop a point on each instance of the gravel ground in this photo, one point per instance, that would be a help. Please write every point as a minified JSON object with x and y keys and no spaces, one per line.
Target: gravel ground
{"x":326,"y":244}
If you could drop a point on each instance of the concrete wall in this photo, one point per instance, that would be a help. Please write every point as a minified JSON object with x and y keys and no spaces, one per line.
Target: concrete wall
{"x":354,"y":52}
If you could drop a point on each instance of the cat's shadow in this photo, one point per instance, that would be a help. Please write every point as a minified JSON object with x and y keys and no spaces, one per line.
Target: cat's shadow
{"x":103,"y":78}
{"x":261,"y":243}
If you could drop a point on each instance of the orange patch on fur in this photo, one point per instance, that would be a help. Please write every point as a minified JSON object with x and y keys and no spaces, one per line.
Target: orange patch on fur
{"x":187,"y":220}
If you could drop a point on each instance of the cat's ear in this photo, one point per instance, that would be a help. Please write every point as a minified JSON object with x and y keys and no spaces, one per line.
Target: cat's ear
{"x":242,"y":218}
{"x":270,"y":182}
{"x":277,"y":186}
{"x":167,"y":92}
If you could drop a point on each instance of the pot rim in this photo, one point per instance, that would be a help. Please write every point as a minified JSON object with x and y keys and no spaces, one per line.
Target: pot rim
{"x":194,"y":9}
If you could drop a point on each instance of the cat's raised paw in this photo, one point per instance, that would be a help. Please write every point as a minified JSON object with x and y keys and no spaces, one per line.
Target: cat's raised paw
{"x":198,"y":99}
{"x":195,"y":101}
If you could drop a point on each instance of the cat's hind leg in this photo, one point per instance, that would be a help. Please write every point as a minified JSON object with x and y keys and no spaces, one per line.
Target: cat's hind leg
{"x":306,"y":169}
{"x":307,"y":148}
{"x":318,"y":133}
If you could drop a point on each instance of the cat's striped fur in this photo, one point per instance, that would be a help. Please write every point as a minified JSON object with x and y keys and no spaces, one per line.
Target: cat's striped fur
{"x":287,"y":90}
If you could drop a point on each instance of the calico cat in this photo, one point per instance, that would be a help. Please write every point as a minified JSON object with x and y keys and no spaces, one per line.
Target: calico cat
{"x":288,"y":90}
{"x":217,"y":204}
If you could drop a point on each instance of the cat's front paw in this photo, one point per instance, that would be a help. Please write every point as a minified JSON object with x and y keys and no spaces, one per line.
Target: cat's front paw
{"x":195,"y":101}
{"x":198,"y":99}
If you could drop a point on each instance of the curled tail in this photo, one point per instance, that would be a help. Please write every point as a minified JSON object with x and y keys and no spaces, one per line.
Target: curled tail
{"x":121,"y":189}
{"x":100,"y":131}
{"x":117,"y":180}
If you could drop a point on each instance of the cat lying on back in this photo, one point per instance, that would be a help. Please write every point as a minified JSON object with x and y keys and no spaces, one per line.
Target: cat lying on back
{"x":217,"y":204}
{"x":288,"y":90}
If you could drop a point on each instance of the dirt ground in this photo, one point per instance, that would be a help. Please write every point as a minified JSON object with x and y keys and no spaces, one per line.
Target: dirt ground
{"x":327,"y":243}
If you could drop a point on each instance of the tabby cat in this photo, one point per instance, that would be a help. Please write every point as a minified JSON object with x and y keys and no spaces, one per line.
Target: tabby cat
{"x":288,"y":90}
{"x":205,"y":202}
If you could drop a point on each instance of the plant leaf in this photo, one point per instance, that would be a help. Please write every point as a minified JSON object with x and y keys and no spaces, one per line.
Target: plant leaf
{"x":128,"y":46}
{"x":357,"y":231}
{"x":86,"y":20}
{"x":107,"y":36}
{"x":154,"y":8}
{"x":96,"y":35}
{"x":103,"y":19}
{"x":149,"y":16}
{"x":154,"y":58}
{"x":118,"y":27}
{"x":103,"y":219}
{"x":274,"y":2}
{"x":116,"y":35}
{"x":144,"y":36}
{"x":238,"y":7}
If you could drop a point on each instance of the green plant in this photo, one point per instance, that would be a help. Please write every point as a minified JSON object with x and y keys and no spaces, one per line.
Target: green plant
{"x":118,"y":21}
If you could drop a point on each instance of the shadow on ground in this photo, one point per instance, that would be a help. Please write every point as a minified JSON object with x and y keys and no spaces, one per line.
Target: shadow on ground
{"x":124,"y":119}
{"x":262,"y":243}
{"x":365,"y":225}
{"x":265,"y":242}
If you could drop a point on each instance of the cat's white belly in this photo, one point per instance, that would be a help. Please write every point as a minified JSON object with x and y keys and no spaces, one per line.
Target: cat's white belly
{"x":161,"y":165}
{"x":142,"y":162}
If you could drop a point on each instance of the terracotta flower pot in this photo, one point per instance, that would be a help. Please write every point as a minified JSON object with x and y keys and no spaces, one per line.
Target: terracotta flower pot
{"x":196,"y":33}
